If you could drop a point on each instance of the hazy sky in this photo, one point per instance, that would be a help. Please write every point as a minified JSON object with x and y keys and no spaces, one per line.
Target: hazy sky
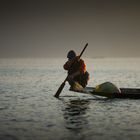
{"x":49,"y":28}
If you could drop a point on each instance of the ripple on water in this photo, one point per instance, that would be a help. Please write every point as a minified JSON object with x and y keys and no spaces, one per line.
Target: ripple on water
{"x":8,"y":137}
{"x":28,"y":109}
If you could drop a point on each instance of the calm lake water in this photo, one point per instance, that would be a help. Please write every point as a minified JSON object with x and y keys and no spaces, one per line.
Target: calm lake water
{"x":29,"y":111}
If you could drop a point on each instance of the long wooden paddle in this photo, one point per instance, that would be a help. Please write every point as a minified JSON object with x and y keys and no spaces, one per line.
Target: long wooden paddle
{"x":63,"y":84}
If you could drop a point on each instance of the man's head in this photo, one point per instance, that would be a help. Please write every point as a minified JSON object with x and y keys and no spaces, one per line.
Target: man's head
{"x":71,"y":54}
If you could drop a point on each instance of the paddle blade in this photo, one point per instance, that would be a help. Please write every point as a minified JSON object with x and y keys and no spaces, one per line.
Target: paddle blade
{"x":59,"y":90}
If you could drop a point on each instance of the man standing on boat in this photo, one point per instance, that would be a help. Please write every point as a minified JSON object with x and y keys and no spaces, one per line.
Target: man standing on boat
{"x":77,"y":75}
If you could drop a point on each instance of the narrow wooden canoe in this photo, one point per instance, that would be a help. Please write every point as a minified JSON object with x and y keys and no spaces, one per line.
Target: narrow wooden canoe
{"x":131,"y":93}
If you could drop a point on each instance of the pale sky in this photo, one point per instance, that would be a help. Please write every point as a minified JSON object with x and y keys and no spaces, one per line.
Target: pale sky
{"x":50,"y":28}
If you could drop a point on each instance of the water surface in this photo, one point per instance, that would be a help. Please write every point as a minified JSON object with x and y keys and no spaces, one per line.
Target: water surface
{"x":28,"y":109}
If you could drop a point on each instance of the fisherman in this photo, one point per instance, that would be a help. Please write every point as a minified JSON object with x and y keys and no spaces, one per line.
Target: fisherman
{"x":77,"y":73}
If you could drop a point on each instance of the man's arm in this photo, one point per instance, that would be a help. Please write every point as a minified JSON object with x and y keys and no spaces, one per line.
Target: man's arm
{"x":69,"y":63}
{"x":82,"y":70}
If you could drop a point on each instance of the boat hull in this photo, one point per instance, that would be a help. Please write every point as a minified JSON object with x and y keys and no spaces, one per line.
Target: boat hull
{"x":126,"y":93}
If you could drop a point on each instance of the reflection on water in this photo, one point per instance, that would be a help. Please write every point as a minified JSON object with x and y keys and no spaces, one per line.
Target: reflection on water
{"x":75,"y":114}
{"x":29,"y":111}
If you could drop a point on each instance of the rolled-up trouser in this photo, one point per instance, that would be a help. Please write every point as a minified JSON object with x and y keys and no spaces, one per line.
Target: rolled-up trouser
{"x":81,"y":79}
